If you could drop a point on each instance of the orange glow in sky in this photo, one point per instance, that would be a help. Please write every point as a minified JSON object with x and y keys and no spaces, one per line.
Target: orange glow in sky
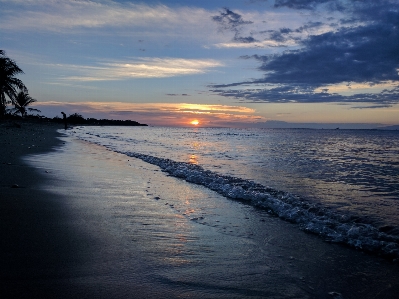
{"x":158,"y":114}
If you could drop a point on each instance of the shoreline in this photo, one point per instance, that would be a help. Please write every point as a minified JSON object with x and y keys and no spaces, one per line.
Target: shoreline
{"x":63,"y":242}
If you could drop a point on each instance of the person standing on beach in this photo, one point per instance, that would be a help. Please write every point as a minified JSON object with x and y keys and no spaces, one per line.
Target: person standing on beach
{"x":65,"y":119}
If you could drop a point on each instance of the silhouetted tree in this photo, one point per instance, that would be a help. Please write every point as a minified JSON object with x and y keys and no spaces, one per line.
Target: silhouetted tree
{"x":76,"y":118}
{"x":21,"y":101}
{"x":8,"y":83}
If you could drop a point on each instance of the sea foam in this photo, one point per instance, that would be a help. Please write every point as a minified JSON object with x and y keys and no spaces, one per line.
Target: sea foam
{"x":332,"y":226}
{"x":310,"y":217}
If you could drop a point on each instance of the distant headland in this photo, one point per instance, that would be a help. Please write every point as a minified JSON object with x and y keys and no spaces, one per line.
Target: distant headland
{"x":74,"y":119}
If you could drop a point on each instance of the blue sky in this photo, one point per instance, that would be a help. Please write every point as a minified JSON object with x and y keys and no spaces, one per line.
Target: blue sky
{"x":225,"y":63}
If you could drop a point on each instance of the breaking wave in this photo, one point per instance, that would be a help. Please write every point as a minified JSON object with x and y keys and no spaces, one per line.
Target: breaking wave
{"x":310,"y":217}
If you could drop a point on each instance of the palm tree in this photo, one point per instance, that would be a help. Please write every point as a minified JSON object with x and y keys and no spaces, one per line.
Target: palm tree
{"x":8,"y":83}
{"x":21,"y":101}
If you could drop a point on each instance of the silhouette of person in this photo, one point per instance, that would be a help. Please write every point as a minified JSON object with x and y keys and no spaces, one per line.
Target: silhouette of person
{"x":65,"y":119}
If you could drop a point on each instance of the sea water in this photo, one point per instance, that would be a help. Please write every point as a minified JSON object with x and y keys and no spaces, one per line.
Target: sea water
{"x":342,"y":185}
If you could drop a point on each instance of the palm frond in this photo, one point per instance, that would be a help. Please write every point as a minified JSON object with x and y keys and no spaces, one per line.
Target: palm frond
{"x":21,"y":101}
{"x":8,"y":83}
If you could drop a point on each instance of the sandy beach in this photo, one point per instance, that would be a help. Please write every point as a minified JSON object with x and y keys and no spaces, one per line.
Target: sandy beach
{"x":33,"y":244}
{"x":80,"y":221}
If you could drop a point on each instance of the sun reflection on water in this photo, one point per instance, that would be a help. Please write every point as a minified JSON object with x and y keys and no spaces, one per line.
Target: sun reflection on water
{"x":193,"y":159}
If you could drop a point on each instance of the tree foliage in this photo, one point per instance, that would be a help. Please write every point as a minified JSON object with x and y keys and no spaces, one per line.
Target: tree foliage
{"x":76,"y":118}
{"x":21,"y":101}
{"x":9,"y":84}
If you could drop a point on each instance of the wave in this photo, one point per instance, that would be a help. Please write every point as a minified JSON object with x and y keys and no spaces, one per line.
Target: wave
{"x":329,"y":224}
{"x":310,"y":217}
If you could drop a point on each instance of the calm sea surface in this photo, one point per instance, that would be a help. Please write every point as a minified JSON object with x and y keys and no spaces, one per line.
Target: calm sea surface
{"x":341,"y":184}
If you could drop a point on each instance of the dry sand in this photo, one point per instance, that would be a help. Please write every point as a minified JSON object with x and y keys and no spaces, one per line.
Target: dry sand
{"x":58,"y":240}
{"x":31,"y":248}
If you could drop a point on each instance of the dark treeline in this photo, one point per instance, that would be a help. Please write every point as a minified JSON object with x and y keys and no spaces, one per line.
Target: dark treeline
{"x":77,"y":119}
{"x":73,"y":119}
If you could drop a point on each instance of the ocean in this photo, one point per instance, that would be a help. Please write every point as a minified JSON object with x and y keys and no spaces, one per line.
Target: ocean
{"x":341,"y":185}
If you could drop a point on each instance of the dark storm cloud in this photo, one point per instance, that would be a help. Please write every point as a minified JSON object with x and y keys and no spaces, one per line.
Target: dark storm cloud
{"x":365,"y":54}
{"x":365,"y":50}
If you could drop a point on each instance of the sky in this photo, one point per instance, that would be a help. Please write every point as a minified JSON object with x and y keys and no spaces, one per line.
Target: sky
{"x":229,"y":63}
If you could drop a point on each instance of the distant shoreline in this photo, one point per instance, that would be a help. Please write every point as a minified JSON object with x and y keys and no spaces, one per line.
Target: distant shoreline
{"x":89,"y":121}
{"x":16,"y":121}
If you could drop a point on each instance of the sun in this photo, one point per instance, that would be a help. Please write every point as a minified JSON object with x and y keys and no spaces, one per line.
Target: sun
{"x":194,"y":122}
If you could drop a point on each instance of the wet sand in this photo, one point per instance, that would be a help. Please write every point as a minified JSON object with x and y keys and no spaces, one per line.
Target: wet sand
{"x":89,"y":223}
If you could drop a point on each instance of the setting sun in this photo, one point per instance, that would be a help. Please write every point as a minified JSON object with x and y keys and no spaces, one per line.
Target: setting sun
{"x":194,"y":122}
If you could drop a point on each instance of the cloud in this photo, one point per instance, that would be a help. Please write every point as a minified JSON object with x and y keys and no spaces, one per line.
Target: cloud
{"x":77,"y":16}
{"x":229,"y":20}
{"x":174,"y":114}
{"x":363,"y":50}
{"x":246,"y":40}
{"x":330,"y":126}
{"x":362,"y":54}
{"x":302,"y":94}
{"x":152,"y":23}
{"x":215,"y":108}
{"x":255,"y":44}
{"x":143,"y":67}
{"x":267,"y":29}
{"x":286,"y":36}
{"x":181,"y":114}
{"x":232,"y":21}
{"x":300,"y":4}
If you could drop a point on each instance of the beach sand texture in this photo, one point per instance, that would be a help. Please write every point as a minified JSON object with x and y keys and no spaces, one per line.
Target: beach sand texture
{"x":85,"y":222}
